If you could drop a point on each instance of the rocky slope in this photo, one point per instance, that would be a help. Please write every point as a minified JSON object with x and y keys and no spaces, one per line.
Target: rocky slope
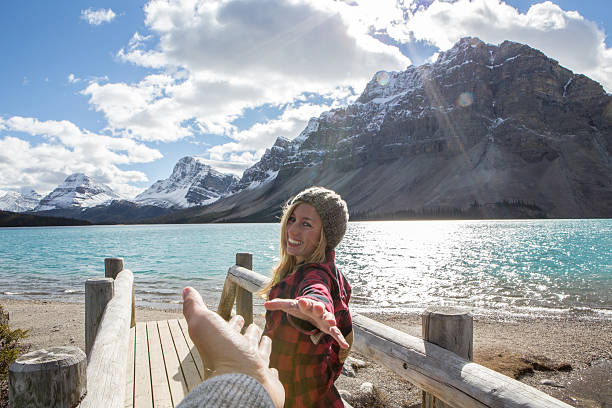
{"x":191,"y":183}
{"x":77,"y":191}
{"x":485,"y":131}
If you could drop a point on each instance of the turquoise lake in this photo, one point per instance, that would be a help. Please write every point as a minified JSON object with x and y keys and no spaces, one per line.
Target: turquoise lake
{"x":498,"y":268}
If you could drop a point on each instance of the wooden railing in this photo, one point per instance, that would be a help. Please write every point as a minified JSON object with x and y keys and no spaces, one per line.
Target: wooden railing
{"x":66,"y":376}
{"x":440,"y":373}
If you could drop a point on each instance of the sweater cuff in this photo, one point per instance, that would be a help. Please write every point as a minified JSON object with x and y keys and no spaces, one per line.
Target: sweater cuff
{"x":228,"y":390}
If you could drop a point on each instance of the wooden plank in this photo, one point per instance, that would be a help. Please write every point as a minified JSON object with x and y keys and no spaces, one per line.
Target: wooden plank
{"x":194,"y":351}
{"x":129,"y":371}
{"x":159,"y":381}
{"x":452,"y":379}
{"x":143,"y":396}
{"x":188,"y":365}
{"x":178,"y":388}
{"x":106,"y":362}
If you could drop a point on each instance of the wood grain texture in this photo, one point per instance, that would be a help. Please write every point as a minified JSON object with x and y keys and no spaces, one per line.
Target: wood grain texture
{"x":129,"y":371}
{"x":188,"y":365}
{"x":193,"y":350}
{"x":442,"y":373}
{"x":228,"y":296}
{"x":106,"y":375}
{"x":452,"y":330}
{"x":244,"y":298}
{"x":143,"y":395}
{"x":52,"y":377}
{"x":159,"y":378}
{"x":176,"y":380}
{"x":98,"y":292}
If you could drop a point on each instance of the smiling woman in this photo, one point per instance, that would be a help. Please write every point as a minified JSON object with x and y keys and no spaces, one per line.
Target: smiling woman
{"x":308,"y":318}
{"x":304,"y":232}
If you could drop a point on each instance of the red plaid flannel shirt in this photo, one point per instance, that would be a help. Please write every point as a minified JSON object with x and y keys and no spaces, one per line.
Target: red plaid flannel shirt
{"x":308,"y":361}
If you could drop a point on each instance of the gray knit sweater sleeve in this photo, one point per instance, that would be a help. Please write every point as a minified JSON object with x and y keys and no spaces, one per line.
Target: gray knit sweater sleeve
{"x":228,"y":391}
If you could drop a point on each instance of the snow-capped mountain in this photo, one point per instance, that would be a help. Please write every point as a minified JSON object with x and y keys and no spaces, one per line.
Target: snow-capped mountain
{"x":191,"y":183}
{"x":24,"y":200}
{"x":486,"y":131}
{"x":78,"y":190}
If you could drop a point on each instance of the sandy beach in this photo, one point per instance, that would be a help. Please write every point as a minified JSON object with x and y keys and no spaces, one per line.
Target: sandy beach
{"x":570,"y":359}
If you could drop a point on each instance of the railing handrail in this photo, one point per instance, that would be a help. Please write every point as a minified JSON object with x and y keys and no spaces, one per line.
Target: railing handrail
{"x":455,"y":380}
{"x":107,"y":361}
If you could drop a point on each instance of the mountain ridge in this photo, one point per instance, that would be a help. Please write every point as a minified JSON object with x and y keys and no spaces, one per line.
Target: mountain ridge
{"x":486,"y":129}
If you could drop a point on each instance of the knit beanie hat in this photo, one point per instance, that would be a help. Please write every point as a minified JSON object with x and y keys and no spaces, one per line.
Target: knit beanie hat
{"x":331,"y":208}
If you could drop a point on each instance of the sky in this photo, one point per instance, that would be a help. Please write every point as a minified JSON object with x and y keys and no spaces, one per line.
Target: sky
{"x":121,"y":90}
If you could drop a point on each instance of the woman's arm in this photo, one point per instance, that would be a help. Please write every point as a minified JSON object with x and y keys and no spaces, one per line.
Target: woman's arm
{"x":313,"y":304}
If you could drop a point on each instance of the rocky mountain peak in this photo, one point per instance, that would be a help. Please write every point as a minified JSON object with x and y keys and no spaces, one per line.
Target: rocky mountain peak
{"x":77,"y":190}
{"x":25,"y":199}
{"x":191,"y":183}
{"x":502,"y":125}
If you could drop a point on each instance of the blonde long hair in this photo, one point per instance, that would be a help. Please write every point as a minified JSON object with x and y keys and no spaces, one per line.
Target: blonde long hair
{"x":288,"y":262}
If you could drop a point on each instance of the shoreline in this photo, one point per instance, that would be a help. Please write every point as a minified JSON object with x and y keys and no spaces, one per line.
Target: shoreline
{"x":520,"y":347}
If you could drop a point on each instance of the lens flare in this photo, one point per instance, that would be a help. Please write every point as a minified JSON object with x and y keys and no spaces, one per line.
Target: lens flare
{"x":382,"y":78}
{"x":465,"y":99}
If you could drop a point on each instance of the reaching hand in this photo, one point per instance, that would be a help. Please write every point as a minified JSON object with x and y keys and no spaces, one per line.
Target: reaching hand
{"x":225,"y":350}
{"x":313,"y":312}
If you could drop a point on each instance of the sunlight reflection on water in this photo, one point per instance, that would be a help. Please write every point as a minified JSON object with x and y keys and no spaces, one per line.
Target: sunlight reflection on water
{"x":487,"y":265}
{"x":551,"y":267}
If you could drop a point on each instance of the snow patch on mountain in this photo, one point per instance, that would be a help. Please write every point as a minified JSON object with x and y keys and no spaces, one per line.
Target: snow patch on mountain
{"x":191,"y":183}
{"x":19,"y":201}
{"x":78,"y":190}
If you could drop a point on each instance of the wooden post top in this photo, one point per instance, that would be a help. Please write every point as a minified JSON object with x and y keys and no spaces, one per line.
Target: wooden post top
{"x":45,"y":359}
{"x":112,"y":267}
{"x":446,"y":310}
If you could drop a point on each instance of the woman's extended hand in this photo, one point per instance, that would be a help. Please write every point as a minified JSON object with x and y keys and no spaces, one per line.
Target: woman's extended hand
{"x":313,"y":312}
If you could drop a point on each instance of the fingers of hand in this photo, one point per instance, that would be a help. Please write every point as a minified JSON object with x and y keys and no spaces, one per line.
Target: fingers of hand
{"x":317,"y":313}
{"x":265,"y":348}
{"x":236,"y":322}
{"x":286,"y":305}
{"x":253,"y":334}
{"x":337,"y":335}
{"x":192,"y":302}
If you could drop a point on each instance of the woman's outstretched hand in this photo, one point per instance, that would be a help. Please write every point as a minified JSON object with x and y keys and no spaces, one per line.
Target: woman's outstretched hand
{"x":313,"y":312}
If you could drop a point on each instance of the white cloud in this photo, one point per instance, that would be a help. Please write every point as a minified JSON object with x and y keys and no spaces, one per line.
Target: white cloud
{"x":566,"y":36}
{"x":248,"y":145}
{"x":73,"y":79}
{"x":66,"y":149}
{"x":97,"y":17}
{"x":221,"y":58}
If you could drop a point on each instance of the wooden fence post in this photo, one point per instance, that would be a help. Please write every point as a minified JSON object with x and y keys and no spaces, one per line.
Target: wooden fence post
{"x":449,"y":329}
{"x":244,"y":298}
{"x":112,"y":267}
{"x":98,"y":292}
{"x":53,"y":377}
{"x":226,"y":303}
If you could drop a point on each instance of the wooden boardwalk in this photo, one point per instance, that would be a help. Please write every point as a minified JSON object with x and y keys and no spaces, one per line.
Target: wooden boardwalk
{"x":163,"y":364}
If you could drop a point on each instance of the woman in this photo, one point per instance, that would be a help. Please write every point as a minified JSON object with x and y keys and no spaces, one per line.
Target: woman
{"x":307,"y":314}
